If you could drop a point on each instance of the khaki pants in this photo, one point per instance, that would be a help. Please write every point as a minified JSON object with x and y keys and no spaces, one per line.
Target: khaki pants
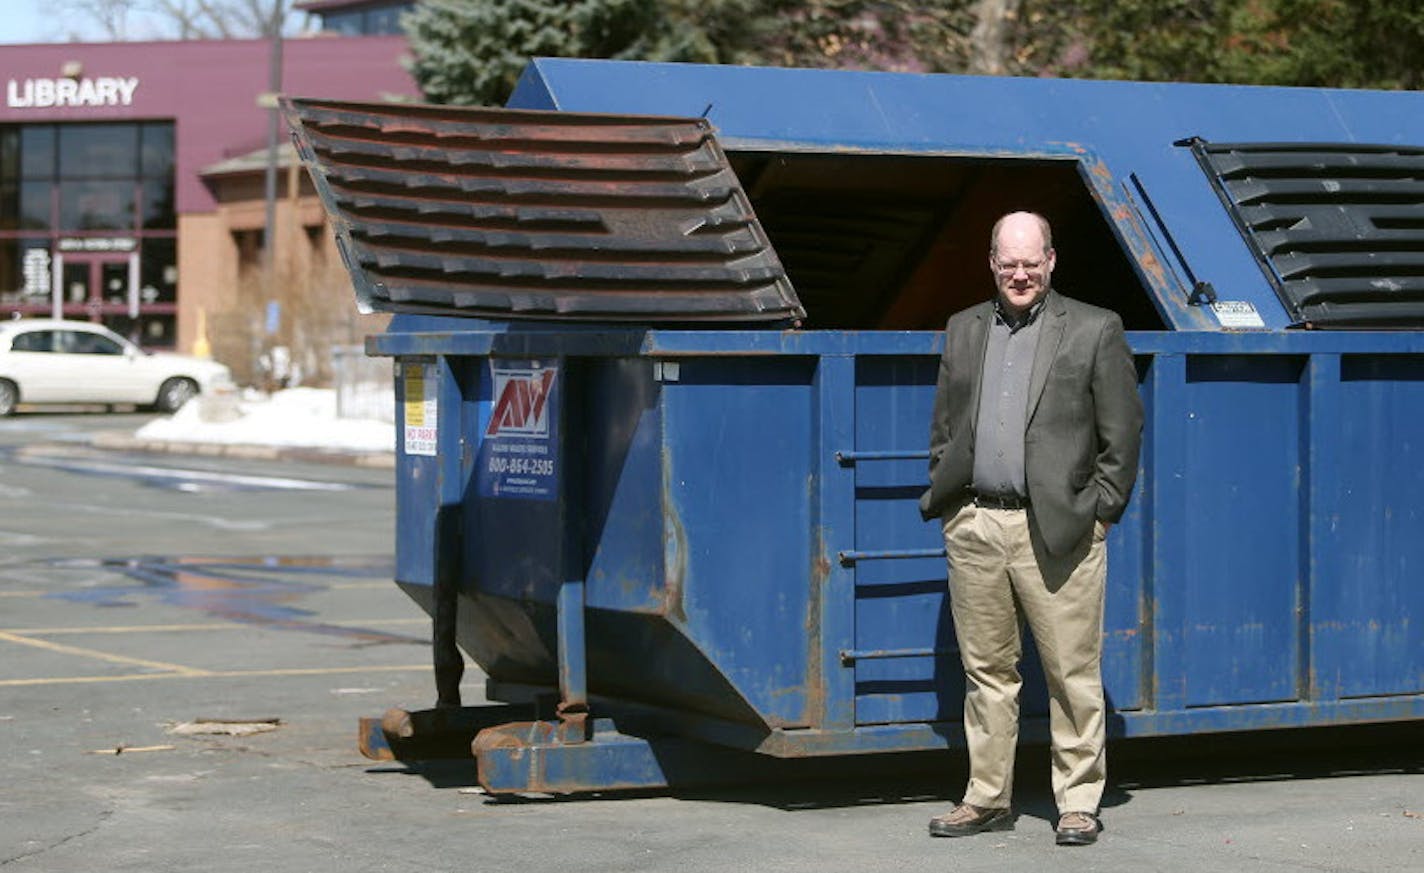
{"x":1000,"y":574}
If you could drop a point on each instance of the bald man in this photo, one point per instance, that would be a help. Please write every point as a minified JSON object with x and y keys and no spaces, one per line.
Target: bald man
{"x":1033,"y":454}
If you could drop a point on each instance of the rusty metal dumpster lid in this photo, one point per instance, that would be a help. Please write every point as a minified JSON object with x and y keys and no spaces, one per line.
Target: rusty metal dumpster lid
{"x":532,"y":214}
{"x":1338,"y":228}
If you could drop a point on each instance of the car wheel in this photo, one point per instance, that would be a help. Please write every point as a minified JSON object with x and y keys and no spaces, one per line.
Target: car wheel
{"x":9,"y":396}
{"x":175,"y":392}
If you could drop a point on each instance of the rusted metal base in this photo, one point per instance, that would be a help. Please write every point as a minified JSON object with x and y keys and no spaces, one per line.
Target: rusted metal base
{"x":542,"y":757}
{"x":518,"y":754}
{"x":432,"y":734}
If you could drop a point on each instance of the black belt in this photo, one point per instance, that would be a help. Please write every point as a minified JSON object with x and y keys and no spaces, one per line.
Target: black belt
{"x":1000,"y":501}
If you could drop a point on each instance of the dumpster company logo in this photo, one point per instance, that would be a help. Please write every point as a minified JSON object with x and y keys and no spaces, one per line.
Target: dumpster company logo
{"x":521,"y":406}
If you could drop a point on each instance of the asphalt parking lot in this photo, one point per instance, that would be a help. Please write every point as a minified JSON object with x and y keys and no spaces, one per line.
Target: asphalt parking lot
{"x":99,"y":669}
{"x":296,"y":632}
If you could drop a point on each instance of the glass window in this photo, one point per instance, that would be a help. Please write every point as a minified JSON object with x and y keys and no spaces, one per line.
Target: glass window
{"x":9,"y":205}
{"x":384,"y":20}
{"x":81,"y":343}
{"x":160,"y":331}
{"x":158,"y":211}
{"x":123,"y":326}
{"x":147,"y":331}
{"x":33,"y":341}
{"x":157,"y":150}
{"x":9,"y":153}
{"x":96,"y":205}
{"x":249,"y":247}
{"x":12,"y":274}
{"x":37,"y":151}
{"x":25,"y":271}
{"x":158,"y":271}
{"x":75,"y":282}
{"x":114,"y":277}
{"x":98,"y":151}
{"x":348,"y":23}
{"x":36,"y":205}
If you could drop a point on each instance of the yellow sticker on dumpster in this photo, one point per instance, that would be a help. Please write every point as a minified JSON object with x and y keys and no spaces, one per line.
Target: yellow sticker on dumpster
{"x":421,"y":408}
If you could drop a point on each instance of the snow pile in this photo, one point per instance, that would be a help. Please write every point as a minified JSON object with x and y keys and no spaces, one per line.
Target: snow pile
{"x":299,"y":417}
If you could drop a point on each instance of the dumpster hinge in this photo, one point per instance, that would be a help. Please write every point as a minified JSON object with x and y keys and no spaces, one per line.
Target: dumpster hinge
{"x":1202,"y":292}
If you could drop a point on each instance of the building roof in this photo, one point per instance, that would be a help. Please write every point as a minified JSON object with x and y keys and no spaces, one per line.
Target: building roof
{"x":251,"y":162}
{"x":320,"y":6}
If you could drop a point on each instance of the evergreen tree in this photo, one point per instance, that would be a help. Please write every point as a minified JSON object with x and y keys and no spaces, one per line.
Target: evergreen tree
{"x":472,"y":51}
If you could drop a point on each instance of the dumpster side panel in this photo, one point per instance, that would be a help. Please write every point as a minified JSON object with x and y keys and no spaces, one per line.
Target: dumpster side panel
{"x":739,"y":447}
{"x":1264,"y":561}
{"x":1240,"y":418}
{"x":416,"y":499}
{"x":1265,"y":574}
{"x":623,"y":518}
{"x":432,"y":395}
{"x":907,"y":664}
{"x":1367,"y":609}
{"x":640,"y":647}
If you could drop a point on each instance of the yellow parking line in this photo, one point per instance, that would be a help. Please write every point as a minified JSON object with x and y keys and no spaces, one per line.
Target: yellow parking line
{"x":103,"y":656}
{"x":213,"y":674}
{"x":175,"y":628}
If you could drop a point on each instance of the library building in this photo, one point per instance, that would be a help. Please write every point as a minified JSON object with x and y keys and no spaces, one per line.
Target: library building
{"x":133,"y":175}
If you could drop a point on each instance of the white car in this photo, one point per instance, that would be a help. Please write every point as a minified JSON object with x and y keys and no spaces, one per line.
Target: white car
{"x":50,"y":361}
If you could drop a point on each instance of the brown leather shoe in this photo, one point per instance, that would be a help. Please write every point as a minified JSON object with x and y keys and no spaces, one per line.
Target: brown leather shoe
{"x":966,"y":820}
{"x":1078,"y":829}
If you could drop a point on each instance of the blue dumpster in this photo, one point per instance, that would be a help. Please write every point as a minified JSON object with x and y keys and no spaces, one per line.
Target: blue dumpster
{"x":666,"y":339}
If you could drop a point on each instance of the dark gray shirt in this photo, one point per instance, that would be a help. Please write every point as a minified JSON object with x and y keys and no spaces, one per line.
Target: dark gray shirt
{"x":1003,"y":403}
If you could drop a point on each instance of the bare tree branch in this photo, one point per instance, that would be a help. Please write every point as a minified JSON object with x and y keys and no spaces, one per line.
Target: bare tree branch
{"x":178,"y":19}
{"x":111,"y":16}
{"x":989,"y":41}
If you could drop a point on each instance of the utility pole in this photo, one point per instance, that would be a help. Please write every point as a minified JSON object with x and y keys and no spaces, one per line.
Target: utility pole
{"x":274,"y":87}
{"x":273,"y":312}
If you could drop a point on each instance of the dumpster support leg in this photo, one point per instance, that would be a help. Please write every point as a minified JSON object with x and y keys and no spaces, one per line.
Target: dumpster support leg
{"x":573,"y":672}
{"x":574,"y":726}
{"x":449,"y":663}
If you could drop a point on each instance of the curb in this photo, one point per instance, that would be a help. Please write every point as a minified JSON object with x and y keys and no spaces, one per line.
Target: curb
{"x":115,"y":441}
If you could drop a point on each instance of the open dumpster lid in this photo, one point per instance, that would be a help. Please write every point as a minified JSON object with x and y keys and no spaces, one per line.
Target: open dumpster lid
{"x":535,"y":214}
{"x":1338,"y":228}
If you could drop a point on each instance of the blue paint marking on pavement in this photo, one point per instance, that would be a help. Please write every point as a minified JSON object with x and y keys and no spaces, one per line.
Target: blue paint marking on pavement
{"x":252,"y":591}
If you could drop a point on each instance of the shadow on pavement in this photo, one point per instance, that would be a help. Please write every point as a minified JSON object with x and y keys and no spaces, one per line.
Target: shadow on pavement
{"x":1135,"y":764}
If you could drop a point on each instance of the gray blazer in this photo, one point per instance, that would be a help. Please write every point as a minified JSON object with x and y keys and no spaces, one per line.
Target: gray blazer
{"x":1084,"y":419}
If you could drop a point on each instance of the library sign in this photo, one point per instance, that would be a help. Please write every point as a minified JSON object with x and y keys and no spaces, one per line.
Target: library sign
{"x":44,"y":93}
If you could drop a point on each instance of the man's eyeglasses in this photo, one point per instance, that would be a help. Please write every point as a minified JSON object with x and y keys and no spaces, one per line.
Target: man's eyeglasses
{"x":1029,"y":267}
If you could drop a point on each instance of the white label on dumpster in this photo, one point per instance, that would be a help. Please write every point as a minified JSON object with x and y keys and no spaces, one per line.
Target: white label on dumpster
{"x":519,"y":454}
{"x":421,"y":409}
{"x":1237,"y":313}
